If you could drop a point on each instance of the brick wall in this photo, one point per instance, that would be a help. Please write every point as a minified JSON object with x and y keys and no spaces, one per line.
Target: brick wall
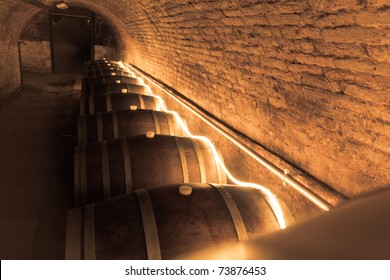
{"x":309,"y":80}
{"x":13,"y":16}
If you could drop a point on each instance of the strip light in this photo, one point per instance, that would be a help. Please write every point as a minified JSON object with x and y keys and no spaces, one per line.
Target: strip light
{"x":277,"y":209}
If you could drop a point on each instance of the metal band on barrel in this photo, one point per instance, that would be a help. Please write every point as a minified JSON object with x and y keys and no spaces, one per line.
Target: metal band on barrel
{"x":141,"y":101}
{"x":156,"y":122}
{"x":115,"y":124}
{"x":108,"y":103}
{"x":73,"y":234}
{"x":79,"y":131}
{"x":82,"y":107}
{"x":99,"y":123}
{"x":77,"y":176}
{"x":156,"y":102}
{"x":91,"y":104}
{"x":127,"y":165}
{"x":83,"y":175}
{"x":183,"y":160}
{"x":149,"y":223}
{"x":169,"y":118}
{"x":89,"y":232}
{"x":105,"y":170}
{"x":242,"y":233}
{"x":199,"y":155}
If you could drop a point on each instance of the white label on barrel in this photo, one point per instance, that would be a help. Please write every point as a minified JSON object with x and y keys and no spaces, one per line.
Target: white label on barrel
{"x":185,"y":190}
{"x":118,"y":81}
{"x":124,"y":90}
{"x":150,"y":134}
{"x":112,"y":73}
{"x":111,"y":68}
{"x":133,"y":107}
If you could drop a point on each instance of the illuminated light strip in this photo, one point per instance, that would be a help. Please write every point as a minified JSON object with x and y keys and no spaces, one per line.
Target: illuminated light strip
{"x":317,"y":200}
{"x":272,"y":199}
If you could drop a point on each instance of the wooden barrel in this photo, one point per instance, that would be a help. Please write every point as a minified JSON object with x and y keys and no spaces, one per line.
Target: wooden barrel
{"x":167,"y":222}
{"x":87,"y":83}
{"x":114,"y":167}
{"x":117,"y":88}
{"x":117,"y":102}
{"x":112,"y":125}
{"x":98,"y":73}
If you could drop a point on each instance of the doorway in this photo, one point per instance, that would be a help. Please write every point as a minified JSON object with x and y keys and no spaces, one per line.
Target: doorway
{"x":71,"y":42}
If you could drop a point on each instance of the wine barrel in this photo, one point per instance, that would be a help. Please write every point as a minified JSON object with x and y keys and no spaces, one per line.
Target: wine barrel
{"x":357,"y":230}
{"x":114,"y":167}
{"x":112,"y":125}
{"x":167,"y":222}
{"x":116,"y":102}
{"x":87,"y":83}
{"x":117,"y":88}
{"x":98,"y":73}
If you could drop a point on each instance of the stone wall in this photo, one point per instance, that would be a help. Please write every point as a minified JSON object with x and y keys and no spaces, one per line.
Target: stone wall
{"x":308,"y":80}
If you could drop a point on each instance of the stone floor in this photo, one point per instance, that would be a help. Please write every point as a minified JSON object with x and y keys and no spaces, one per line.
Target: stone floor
{"x":35,"y":159}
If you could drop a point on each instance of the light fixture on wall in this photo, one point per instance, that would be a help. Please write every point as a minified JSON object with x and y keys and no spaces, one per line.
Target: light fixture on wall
{"x":61,"y":5}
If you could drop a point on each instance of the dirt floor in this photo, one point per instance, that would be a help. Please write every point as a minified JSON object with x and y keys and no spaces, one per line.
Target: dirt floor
{"x":36,"y":145}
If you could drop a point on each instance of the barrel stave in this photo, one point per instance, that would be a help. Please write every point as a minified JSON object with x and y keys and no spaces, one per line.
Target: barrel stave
{"x":119,"y":230}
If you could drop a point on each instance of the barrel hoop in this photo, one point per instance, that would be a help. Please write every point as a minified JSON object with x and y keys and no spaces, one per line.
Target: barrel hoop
{"x":156,"y":122}
{"x":83,"y":175}
{"x":99,"y":123}
{"x":219,"y":171}
{"x":91,"y":104}
{"x":156,"y":104}
{"x":169,"y":118}
{"x":79,"y":131}
{"x":127,"y":165}
{"x":108,"y":103}
{"x":73,"y":234}
{"x":89,"y":232}
{"x":82,"y":107}
{"x":115,"y":124}
{"x":183,"y":160}
{"x":77,"y":176}
{"x":199,"y":155}
{"x":141,"y":101}
{"x":149,"y":223}
{"x":91,"y":90}
{"x":242,"y":233}
{"x":105,"y":170}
